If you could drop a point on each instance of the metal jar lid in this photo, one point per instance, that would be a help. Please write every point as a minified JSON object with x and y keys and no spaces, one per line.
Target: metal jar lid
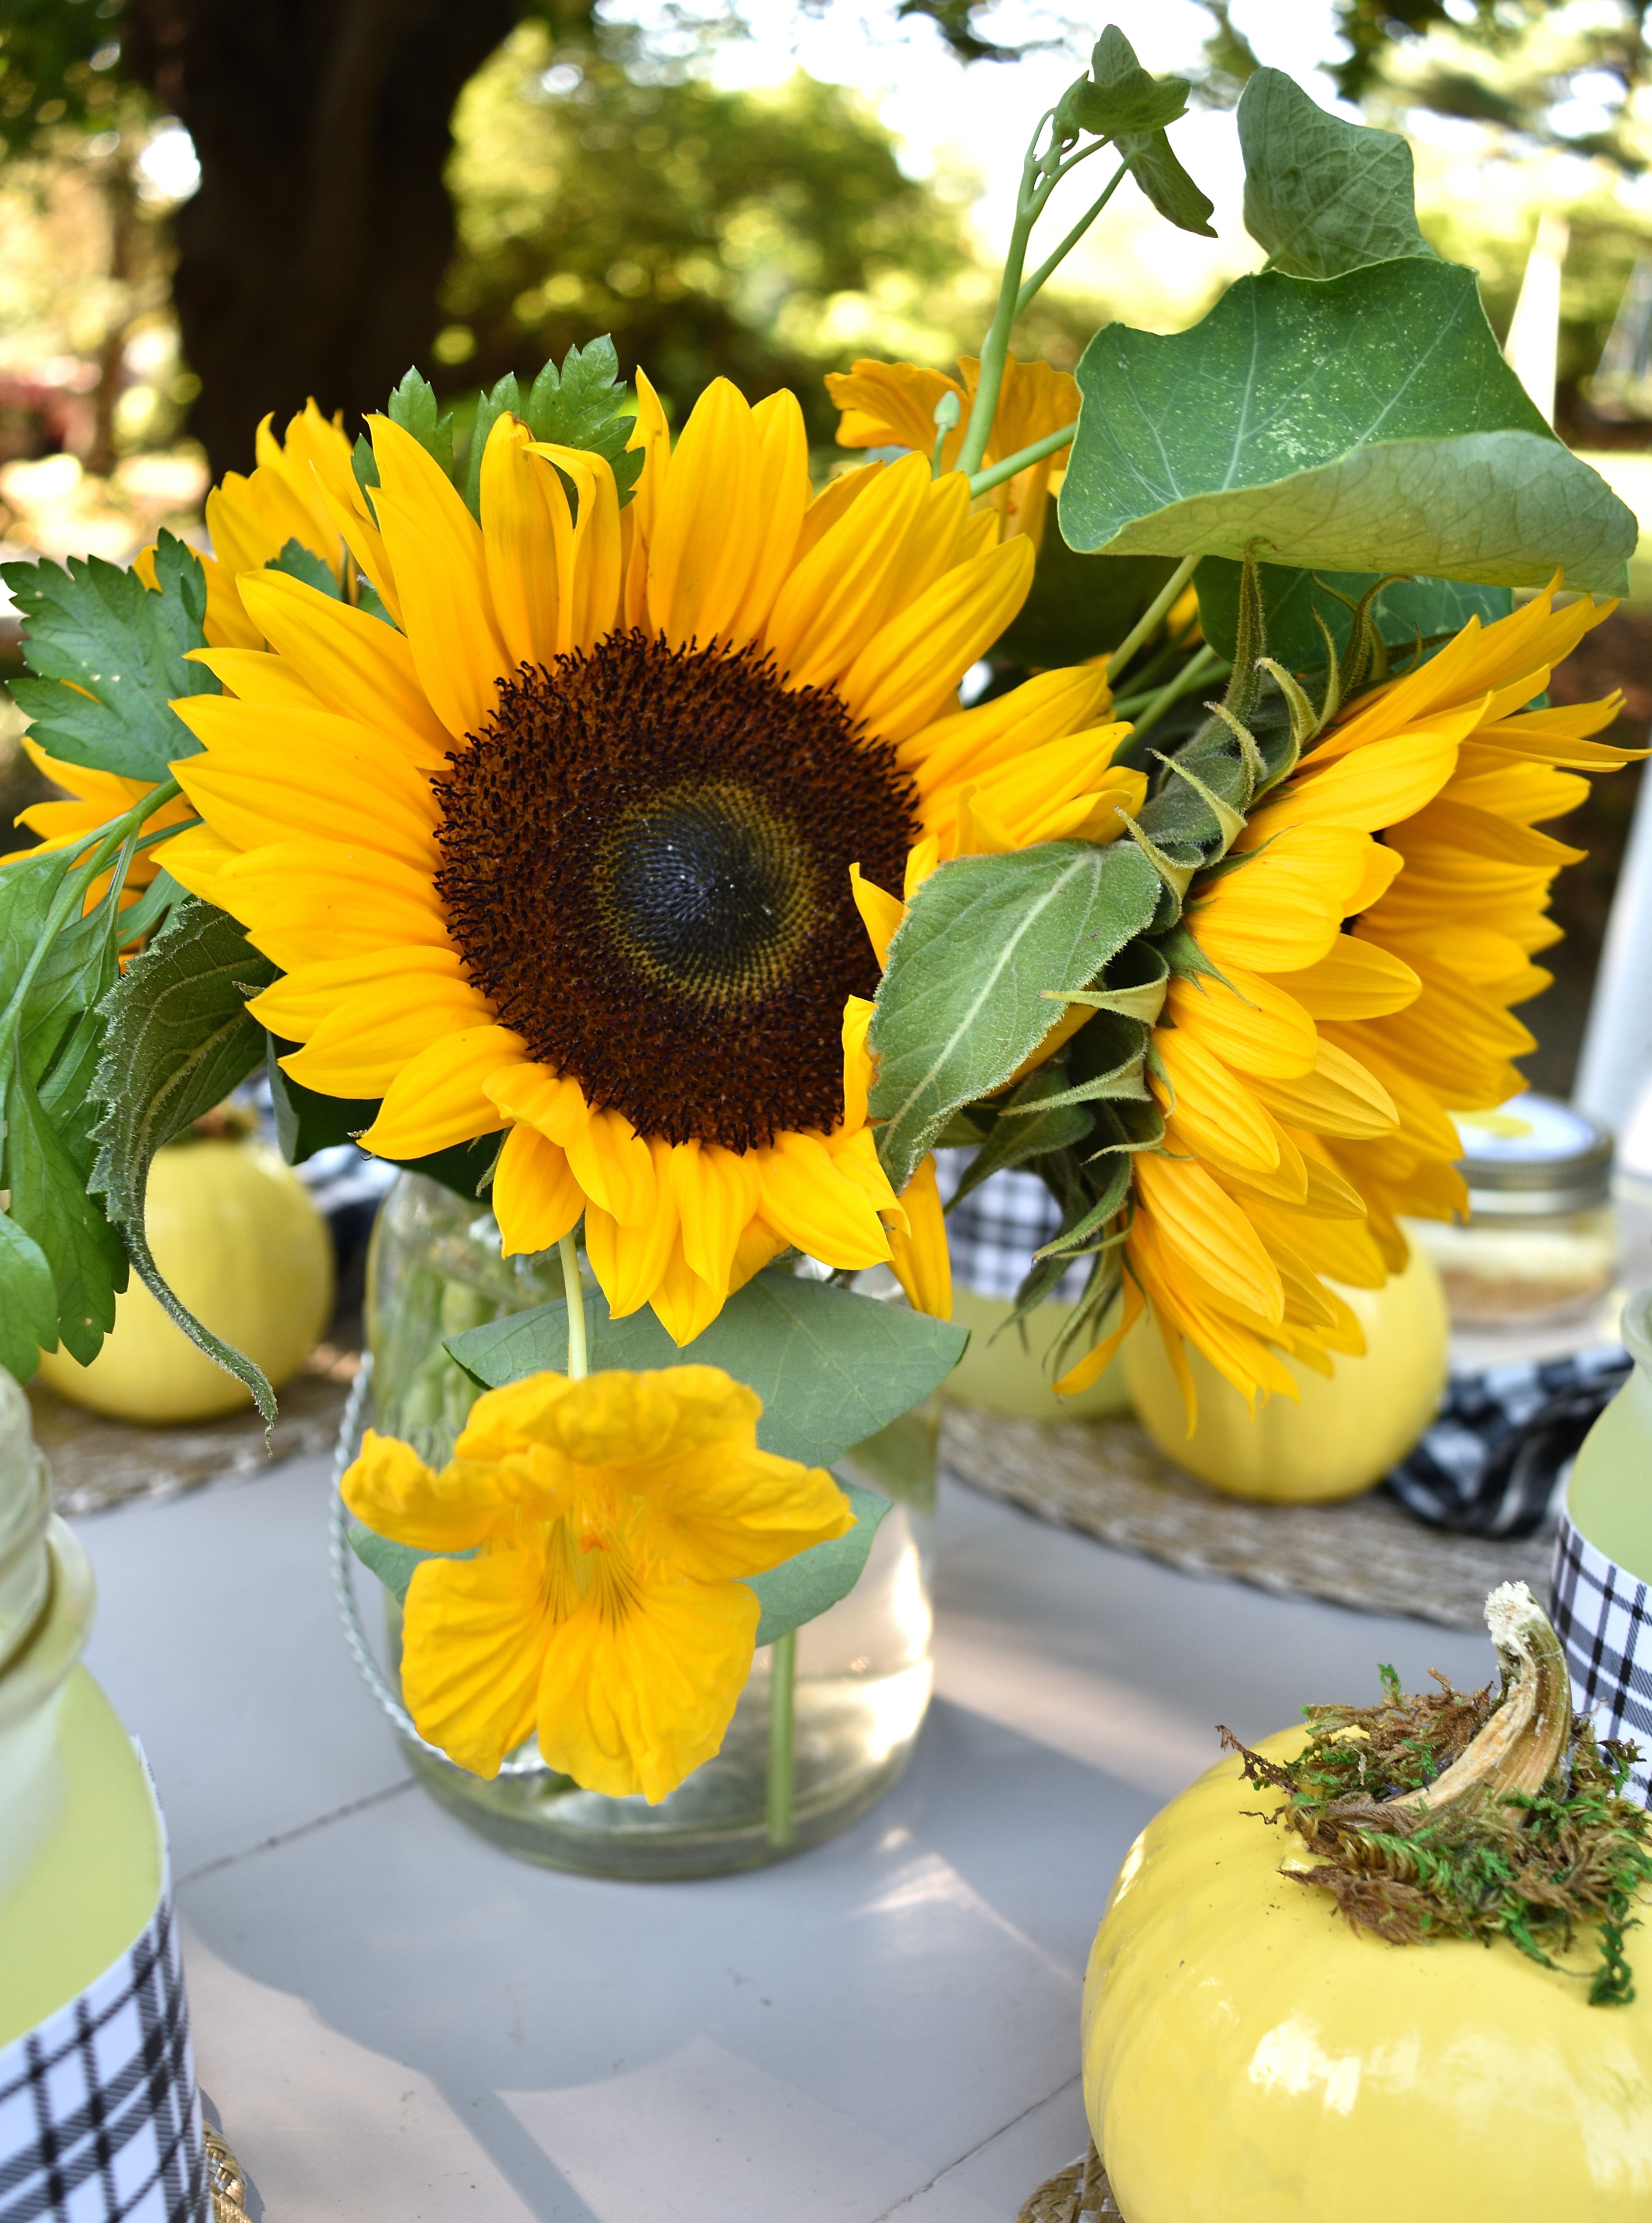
{"x":1534,"y":1157}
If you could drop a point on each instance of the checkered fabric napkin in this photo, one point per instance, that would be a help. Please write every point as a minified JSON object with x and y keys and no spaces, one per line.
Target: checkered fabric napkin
{"x":99,"y":2118}
{"x":1494,"y":1460}
{"x":994,"y":1232}
{"x":1602,"y":1617}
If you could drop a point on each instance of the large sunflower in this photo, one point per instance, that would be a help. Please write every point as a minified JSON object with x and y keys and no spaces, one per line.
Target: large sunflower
{"x":570,"y":851}
{"x":1352,"y":984}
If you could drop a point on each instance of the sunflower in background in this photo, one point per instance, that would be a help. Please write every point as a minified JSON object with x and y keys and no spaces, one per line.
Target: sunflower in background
{"x":892,"y":405}
{"x":568,"y":852}
{"x":1352,"y":985}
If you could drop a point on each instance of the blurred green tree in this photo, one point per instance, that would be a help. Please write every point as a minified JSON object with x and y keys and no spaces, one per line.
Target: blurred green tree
{"x":312,"y":256}
{"x":708,"y":231}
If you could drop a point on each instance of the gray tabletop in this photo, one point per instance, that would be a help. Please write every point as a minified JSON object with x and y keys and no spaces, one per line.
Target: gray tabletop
{"x":398,"y":2022}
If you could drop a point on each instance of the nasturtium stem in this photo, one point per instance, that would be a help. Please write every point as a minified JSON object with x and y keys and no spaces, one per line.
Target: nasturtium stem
{"x":1051,"y":263}
{"x":783,"y":1680}
{"x":579,"y":1364}
{"x":1153,"y":617}
{"x":996,"y":473}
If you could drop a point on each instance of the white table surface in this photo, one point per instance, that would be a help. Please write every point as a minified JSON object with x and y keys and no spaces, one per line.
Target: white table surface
{"x":398,"y":2023}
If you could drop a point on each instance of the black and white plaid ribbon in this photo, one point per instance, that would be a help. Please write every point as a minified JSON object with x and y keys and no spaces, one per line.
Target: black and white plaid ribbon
{"x":1602,"y":1617}
{"x":994,"y":1232}
{"x":99,"y":2118}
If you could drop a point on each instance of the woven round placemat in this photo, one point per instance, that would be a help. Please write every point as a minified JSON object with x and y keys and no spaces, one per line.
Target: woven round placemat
{"x":97,"y":1463}
{"x":1078,"y":2193}
{"x":1106,"y":1478}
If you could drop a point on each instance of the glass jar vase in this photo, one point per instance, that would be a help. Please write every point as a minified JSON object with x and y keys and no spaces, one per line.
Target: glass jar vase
{"x":861,"y":1683}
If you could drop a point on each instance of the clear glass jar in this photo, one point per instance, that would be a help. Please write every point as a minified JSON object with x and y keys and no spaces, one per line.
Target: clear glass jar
{"x":1540,"y":1240}
{"x":863,"y":1671}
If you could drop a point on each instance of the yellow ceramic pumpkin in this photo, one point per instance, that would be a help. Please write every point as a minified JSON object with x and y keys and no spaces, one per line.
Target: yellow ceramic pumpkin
{"x":1253,"y":2059}
{"x":235,"y":1235}
{"x":1346,"y":1431}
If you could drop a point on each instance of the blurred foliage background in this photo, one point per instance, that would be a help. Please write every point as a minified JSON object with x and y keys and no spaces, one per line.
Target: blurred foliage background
{"x":212,"y":208}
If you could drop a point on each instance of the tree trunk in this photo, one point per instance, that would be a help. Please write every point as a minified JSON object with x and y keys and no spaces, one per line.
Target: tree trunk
{"x":310,"y":259}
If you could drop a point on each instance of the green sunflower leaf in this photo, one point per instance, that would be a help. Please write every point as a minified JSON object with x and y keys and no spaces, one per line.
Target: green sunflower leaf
{"x":298,"y":562}
{"x":1350,"y":424}
{"x":413,"y":406}
{"x":27,"y":1301}
{"x":585,"y":404}
{"x":963,"y":1003}
{"x":179,"y":1041}
{"x":801,"y":1589}
{"x":107,"y":653}
{"x":49,"y":1202}
{"x":1407,"y":611}
{"x":831,"y":1367}
{"x":1322,"y":196}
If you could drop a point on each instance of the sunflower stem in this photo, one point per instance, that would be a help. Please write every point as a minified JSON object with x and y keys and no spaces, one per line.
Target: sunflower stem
{"x":783,"y":1680}
{"x":1052,"y":263}
{"x":1153,"y":617}
{"x":579,"y":1364}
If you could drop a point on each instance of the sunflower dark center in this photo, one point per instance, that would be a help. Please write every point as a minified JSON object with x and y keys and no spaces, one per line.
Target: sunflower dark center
{"x":645,"y":858}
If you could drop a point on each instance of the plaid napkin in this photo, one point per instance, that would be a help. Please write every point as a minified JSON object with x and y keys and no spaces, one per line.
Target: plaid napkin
{"x":99,"y":2120}
{"x":1495,"y":1460}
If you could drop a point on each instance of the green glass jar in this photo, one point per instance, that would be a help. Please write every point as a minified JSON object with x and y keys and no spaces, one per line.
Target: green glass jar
{"x":862,"y":1675}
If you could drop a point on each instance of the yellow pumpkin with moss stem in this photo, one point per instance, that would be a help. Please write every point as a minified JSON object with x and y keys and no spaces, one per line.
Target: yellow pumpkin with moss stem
{"x":236,"y":1236}
{"x":1251,"y":2058}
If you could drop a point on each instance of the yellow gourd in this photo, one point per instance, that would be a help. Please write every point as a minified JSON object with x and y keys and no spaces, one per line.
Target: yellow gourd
{"x":1249,"y":2057}
{"x":998,"y":1373}
{"x":1347,"y":1430}
{"x":236,"y":1236}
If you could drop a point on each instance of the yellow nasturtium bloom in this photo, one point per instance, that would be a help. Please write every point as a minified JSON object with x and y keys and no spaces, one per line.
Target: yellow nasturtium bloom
{"x":891,"y":404}
{"x":570,"y":853}
{"x":1368,"y":951}
{"x":613,"y":1521}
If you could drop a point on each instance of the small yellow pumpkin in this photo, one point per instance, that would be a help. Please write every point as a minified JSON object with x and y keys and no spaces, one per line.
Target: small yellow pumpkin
{"x":1249,"y":2057}
{"x":1347,"y":1430}
{"x":998,"y":1373}
{"x":235,"y":1235}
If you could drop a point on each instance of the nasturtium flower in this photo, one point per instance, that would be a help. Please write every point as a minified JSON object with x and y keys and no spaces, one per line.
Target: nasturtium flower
{"x":571,"y":851}
{"x":612,"y":1522}
{"x":891,"y":404}
{"x":1363,"y":960}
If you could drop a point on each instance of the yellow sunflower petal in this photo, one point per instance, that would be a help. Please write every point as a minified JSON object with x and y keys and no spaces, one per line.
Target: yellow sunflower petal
{"x":629,"y":1261}
{"x":905,"y":673}
{"x":435,"y":546}
{"x":841,"y":588}
{"x":1340,"y":1096}
{"x":1250,"y":1022}
{"x":809,"y":1202}
{"x":1355,"y":979}
{"x":255,"y":676}
{"x":717,"y":1195}
{"x":684,"y":1304}
{"x":919,"y":1253}
{"x":438,"y":1098}
{"x":1203,"y":1227}
{"x":527,"y":546}
{"x":356,"y":663}
{"x":782,"y":496}
{"x":707,"y":524}
{"x":535,"y":1198}
{"x":371,"y":1032}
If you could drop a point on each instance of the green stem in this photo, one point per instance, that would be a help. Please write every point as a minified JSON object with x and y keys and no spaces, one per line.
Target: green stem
{"x":72,"y":895}
{"x":1051,"y":263}
{"x":579,"y":1364}
{"x":1153,"y":617}
{"x":995,"y":347}
{"x":1195,"y":670}
{"x":783,"y":1679}
{"x":996,"y":473}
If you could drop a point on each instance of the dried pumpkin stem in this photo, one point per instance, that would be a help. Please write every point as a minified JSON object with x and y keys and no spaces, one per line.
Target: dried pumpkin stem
{"x":1520,"y":1747}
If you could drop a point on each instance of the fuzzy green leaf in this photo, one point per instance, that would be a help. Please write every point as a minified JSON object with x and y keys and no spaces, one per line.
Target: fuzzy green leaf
{"x":108,"y":656}
{"x":1322,"y":196}
{"x":1350,"y":424}
{"x":963,"y":1003}
{"x":1408,"y":610}
{"x":831,"y":1367}
{"x":179,"y":1041}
